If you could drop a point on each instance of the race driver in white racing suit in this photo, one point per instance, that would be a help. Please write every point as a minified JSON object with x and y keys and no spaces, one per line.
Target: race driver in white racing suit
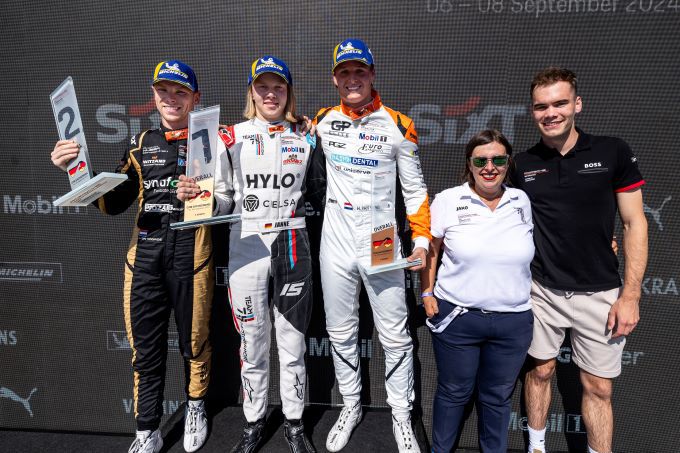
{"x":265,"y":170}
{"x":362,"y":140}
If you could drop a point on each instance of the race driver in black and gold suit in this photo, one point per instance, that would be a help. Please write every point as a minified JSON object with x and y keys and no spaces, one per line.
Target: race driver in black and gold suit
{"x":164,"y":269}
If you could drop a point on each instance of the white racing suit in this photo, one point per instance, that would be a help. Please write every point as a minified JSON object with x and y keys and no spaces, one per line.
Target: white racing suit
{"x":269,"y":251}
{"x":358,"y":148}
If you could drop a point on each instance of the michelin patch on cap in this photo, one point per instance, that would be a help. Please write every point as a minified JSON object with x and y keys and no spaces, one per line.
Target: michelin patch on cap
{"x":175,"y":71}
{"x":269,"y":64}
{"x":352,"y":50}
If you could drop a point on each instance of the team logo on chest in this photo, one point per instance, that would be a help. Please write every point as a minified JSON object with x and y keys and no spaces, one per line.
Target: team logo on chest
{"x":257,"y":141}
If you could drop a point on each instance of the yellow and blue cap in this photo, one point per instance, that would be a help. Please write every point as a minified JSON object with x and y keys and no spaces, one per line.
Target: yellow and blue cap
{"x":269,"y":64}
{"x":352,"y":50}
{"x":175,"y":71}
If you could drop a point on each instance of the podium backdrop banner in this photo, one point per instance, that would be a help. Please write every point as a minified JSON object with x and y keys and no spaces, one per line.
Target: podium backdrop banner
{"x":454,"y":66}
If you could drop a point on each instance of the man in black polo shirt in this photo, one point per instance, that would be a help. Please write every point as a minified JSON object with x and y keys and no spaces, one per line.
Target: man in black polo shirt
{"x":576,"y":182}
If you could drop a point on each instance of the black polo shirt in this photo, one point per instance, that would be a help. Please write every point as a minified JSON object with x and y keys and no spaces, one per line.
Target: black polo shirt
{"x":573,"y":201}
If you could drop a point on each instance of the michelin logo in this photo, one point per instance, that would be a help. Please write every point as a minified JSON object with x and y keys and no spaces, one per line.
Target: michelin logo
{"x":31,"y":272}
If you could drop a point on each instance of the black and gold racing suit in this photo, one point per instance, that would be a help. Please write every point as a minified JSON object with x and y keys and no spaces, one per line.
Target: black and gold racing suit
{"x":164,"y":269}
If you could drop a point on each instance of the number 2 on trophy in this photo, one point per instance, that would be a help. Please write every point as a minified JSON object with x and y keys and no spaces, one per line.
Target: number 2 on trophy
{"x":71,"y":115}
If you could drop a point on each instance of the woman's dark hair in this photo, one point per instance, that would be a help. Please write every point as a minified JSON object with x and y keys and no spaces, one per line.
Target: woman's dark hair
{"x":484,"y":138}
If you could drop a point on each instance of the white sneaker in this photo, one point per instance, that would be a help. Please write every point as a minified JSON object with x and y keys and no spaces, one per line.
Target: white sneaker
{"x":403,"y":433}
{"x":195,"y":425}
{"x":147,"y":442}
{"x":349,"y":418}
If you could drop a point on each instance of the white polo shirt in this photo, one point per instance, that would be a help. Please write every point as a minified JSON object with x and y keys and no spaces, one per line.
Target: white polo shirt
{"x":487,"y":253}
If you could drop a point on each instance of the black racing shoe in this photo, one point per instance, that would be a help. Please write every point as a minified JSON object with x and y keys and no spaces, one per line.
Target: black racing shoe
{"x":294,"y":430}
{"x":253,"y":434}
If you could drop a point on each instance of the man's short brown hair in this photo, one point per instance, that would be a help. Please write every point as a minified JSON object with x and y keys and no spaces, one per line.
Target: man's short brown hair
{"x":551,"y":75}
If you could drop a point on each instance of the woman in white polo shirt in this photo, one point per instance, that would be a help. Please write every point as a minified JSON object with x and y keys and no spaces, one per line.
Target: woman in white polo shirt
{"x":479,"y":309}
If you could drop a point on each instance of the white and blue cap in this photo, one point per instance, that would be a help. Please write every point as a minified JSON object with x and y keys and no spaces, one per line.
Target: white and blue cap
{"x":175,"y":71}
{"x":269,"y":64}
{"x":352,"y":50}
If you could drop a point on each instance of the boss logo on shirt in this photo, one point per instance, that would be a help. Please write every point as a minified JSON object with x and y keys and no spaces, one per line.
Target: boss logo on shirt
{"x":593,"y":167}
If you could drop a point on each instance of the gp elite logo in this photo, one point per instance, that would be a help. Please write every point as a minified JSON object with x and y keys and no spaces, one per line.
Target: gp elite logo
{"x":13,"y":396}
{"x":340,"y":125}
{"x":458,"y":123}
{"x":656,"y":213}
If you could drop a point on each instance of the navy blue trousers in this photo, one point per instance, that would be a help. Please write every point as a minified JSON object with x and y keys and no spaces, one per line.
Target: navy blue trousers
{"x":482,"y":350}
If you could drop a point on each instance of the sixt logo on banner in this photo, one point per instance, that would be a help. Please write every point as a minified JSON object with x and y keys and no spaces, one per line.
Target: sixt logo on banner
{"x":321,"y":347}
{"x":120,"y":122}
{"x":458,"y":123}
{"x":31,"y":272}
{"x":17,"y":204}
{"x":13,"y":396}
{"x":117,"y":340}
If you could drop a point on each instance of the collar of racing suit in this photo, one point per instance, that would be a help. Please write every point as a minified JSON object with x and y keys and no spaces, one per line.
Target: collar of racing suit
{"x":175,"y":134}
{"x":276,"y":127}
{"x":364,"y":110}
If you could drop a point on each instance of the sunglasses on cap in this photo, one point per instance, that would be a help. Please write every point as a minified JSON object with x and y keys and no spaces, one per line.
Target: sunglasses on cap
{"x":497,"y":161}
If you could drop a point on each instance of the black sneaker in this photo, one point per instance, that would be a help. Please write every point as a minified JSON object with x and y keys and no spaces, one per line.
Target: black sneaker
{"x":294,"y":431}
{"x":252,"y":436}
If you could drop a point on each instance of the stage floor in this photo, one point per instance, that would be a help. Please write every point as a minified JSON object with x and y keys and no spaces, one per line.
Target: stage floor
{"x":374,"y":434}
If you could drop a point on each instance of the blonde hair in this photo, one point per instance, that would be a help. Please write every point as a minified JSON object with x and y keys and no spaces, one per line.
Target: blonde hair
{"x":290,"y":114}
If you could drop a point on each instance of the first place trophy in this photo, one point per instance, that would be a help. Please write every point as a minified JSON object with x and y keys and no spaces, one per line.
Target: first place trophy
{"x":84,"y":187}
{"x":383,"y":228}
{"x":201,"y":161}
